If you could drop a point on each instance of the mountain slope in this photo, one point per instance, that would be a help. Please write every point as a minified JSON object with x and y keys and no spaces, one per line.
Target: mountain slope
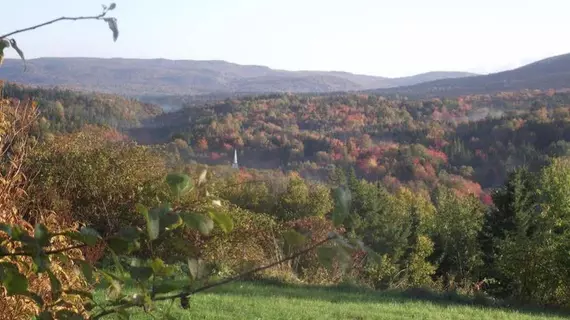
{"x":550,"y":73}
{"x":140,"y":77}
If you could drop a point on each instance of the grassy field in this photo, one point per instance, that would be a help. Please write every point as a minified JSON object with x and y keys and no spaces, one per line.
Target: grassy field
{"x":265,"y":301}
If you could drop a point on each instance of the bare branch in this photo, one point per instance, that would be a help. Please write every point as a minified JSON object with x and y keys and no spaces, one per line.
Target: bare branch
{"x":23,"y":253}
{"x":97,"y":17}
{"x":225,"y":281}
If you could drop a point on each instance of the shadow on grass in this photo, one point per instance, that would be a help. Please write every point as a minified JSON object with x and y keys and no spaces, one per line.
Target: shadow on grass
{"x":353,"y":294}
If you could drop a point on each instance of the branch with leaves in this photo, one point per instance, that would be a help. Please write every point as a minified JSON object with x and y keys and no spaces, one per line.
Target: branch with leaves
{"x":7,"y":41}
{"x":154,"y":278}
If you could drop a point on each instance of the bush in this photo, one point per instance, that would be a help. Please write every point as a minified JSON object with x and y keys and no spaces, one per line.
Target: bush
{"x":15,"y":144}
{"x":251,"y":244}
{"x":308,"y":267}
{"x":95,"y":177}
{"x":302,"y":199}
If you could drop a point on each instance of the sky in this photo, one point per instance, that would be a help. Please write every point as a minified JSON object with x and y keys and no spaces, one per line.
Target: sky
{"x":375,"y":37}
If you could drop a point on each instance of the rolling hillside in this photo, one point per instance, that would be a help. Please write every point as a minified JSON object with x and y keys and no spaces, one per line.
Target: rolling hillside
{"x":550,"y":73}
{"x":137,"y":77}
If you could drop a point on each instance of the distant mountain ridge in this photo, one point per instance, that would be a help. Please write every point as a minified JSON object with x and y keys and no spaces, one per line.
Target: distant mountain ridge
{"x":549,"y":73}
{"x":147,"y":77}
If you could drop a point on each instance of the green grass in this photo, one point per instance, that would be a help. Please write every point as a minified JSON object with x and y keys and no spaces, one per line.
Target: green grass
{"x":246,"y":300}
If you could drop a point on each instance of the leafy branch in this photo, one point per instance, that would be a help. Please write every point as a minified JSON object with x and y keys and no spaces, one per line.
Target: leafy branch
{"x":186,"y":294}
{"x":6,"y":41}
{"x":153,"y":276}
{"x":48,"y":252}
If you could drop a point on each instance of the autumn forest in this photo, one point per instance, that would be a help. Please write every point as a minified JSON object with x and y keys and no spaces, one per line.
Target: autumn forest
{"x":446,"y":184}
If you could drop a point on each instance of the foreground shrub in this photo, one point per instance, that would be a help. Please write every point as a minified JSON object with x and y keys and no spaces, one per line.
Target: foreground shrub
{"x":308,"y":267}
{"x":96,"y":176}
{"x":16,"y":118}
{"x":251,"y":244}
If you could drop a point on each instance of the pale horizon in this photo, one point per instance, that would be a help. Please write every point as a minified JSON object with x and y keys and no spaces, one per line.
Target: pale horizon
{"x":367,"y":37}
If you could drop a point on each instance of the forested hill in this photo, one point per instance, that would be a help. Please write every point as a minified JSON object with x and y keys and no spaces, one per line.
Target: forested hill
{"x":551,"y":73}
{"x":68,"y":110}
{"x":469,"y":143}
{"x":138,"y":77}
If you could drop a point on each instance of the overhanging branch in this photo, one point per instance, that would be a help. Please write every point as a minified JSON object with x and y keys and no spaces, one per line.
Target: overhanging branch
{"x":97,"y":17}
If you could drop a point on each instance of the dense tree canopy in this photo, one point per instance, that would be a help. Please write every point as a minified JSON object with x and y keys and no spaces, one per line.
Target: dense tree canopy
{"x":467,"y":194}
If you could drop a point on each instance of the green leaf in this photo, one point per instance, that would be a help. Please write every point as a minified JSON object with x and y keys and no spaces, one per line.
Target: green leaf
{"x":6,"y":228}
{"x":199,"y":222}
{"x":19,"y":51}
{"x":118,"y":245}
{"x":170,"y":221}
{"x":294,"y":238}
{"x":344,"y":258}
{"x":196,"y":268}
{"x":143,"y":210}
{"x":222,"y":219}
{"x":159,"y":267}
{"x":125,"y":241}
{"x":342,"y":200}
{"x":34,"y":296}
{"x":41,"y":263}
{"x":14,"y":282}
{"x":112,"y":22}
{"x":178,"y":183}
{"x":129,"y":234}
{"x":55,"y":285}
{"x":41,"y":234}
{"x":326,"y":256}
{"x":88,"y":236}
{"x":169,"y":285}
{"x":19,"y":234}
{"x":138,"y":271}
{"x":45,"y":315}
{"x":86,"y":269}
{"x":152,"y":219}
{"x":118,"y":264}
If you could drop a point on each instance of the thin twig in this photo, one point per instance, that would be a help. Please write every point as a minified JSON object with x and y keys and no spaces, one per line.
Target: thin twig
{"x":22,"y":253}
{"x":97,"y":17}
{"x":228,"y":280}
{"x":219,"y":283}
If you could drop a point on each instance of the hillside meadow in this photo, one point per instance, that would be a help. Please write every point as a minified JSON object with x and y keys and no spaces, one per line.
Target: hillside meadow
{"x":262,"y":300}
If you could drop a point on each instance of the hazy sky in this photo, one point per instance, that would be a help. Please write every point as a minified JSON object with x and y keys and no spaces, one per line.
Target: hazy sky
{"x":377,"y":37}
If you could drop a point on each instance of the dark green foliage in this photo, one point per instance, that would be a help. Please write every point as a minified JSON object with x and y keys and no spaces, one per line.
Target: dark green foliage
{"x":455,"y":231}
{"x":95,"y":181}
{"x":69,"y":111}
{"x":526,"y":238}
{"x":517,"y":199}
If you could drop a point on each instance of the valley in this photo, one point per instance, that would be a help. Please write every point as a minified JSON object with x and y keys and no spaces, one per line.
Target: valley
{"x":424,"y":169}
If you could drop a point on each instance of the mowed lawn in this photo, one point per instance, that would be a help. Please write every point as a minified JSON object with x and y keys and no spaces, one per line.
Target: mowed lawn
{"x":248,"y":300}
